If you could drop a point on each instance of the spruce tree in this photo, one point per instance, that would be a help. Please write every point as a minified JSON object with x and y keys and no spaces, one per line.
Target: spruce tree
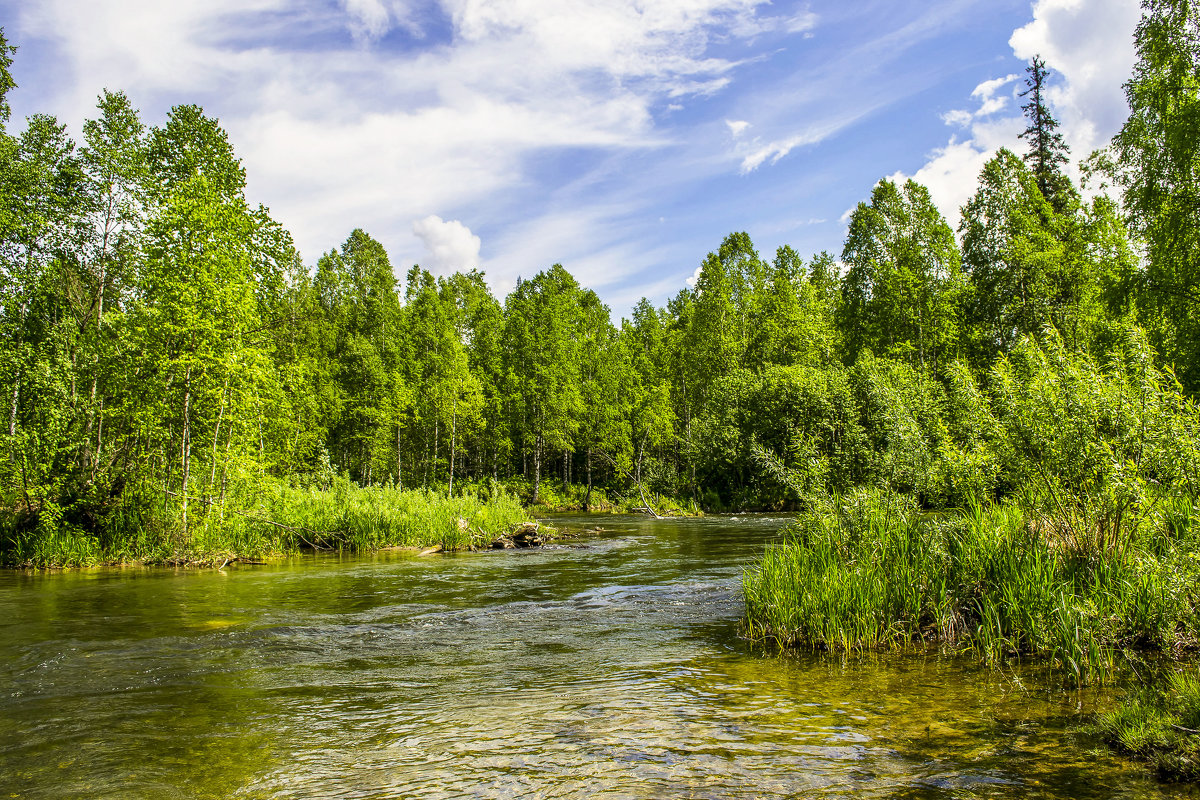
{"x":1048,"y":150}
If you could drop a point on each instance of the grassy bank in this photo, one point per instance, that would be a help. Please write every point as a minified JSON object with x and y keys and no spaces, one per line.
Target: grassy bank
{"x":872,"y":570}
{"x":278,"y":519}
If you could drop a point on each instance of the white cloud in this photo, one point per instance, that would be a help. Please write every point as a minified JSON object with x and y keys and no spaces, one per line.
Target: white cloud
{"x":451,"y":245}
{"x":958,"y":117}
{"x":369,"y":19}
{"x":991,"y":106}
{"x":758,"y":153}
{"x":803,"y":22}
{"x":800,"y":22}
{"x":379,"y":134}
{"x":952,"y":172}
{"x":851,"y":85}
{"x":1089,"y":48}
{"x":737,"y":127}
{"x":989,"y":102}
{"x":986,"y":91}
{"x":602,"y":245}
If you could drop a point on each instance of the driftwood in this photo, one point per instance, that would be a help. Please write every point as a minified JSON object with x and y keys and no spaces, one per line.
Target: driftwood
{"x":240,"y":560}
{"x":524,"y":535}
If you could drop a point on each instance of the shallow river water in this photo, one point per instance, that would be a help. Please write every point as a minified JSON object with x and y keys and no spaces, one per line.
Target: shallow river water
{"x":608,"y":666}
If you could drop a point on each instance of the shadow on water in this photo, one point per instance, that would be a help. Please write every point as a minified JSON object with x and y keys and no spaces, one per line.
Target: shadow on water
{"x":608,"y":666}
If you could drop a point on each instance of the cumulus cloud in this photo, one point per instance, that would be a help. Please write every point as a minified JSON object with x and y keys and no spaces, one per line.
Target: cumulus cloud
{"x":1089,"y":49}
{"x":951,"y":173}
{"x":1090,"y":46}
{"x":450,"y":244}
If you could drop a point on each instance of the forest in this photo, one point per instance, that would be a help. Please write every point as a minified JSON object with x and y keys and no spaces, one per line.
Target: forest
{"x":170,"y":363}
{"x":177,"y":382}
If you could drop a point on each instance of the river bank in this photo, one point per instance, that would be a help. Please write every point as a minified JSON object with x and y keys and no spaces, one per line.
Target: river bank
{"x":871,"y":569}
{"x":281,"y":518}
{"x":1002,"y":585}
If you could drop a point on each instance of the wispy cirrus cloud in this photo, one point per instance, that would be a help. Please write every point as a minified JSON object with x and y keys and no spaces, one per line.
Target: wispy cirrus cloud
{"x":352,"y":108}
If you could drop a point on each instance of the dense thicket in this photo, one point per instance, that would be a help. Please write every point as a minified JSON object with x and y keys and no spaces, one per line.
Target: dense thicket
{"x":165,"y":353}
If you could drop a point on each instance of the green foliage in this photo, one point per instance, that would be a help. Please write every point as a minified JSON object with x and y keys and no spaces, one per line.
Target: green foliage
{"x":166,"y":356}
{"x":192,"y":145}
{"x":1157,"y":164}
{"x":901,"y":294}
{"x":1048,"y":151}
{"x":282,"y":519}
{"x":346,"y":516}
{"x":7,"y":84}
{"x":543,"y":330}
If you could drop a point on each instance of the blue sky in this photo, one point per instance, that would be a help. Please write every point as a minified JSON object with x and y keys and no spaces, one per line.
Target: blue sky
{"x":621,"y":138}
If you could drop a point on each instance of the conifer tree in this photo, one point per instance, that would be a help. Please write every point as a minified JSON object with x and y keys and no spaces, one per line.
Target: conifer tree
{"x":1048,"y":150}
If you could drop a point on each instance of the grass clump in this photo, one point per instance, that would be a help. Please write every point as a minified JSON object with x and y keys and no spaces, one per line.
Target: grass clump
{"x":872,"y":570}
{"x":369,"y":518}
{"x":1160,"y":724}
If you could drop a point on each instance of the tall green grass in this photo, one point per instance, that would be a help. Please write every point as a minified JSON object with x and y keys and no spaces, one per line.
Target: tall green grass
{"x":269,"y":518}
{"x":554,"y":495}
{"x":870,"y":570}
{"x":350,"y":517}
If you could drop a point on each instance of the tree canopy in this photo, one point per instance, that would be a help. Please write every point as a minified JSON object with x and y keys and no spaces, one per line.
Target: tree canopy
{"x":164,"y":350}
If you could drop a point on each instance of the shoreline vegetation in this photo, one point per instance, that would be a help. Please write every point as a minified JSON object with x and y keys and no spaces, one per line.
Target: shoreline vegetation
{"x":287,"y":519}
{"x":1046,"y":511}
{"x":283,"y":520}
{"x":990,"y":432}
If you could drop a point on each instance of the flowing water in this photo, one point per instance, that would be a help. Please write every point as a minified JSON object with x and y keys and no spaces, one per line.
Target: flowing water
{"x":608,"y":666}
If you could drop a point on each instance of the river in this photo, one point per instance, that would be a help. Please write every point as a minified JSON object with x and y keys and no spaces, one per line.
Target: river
{"x":604,"y":667}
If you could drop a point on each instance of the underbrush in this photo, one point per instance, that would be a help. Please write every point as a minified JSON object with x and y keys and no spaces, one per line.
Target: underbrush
{"x":554,"y":495}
